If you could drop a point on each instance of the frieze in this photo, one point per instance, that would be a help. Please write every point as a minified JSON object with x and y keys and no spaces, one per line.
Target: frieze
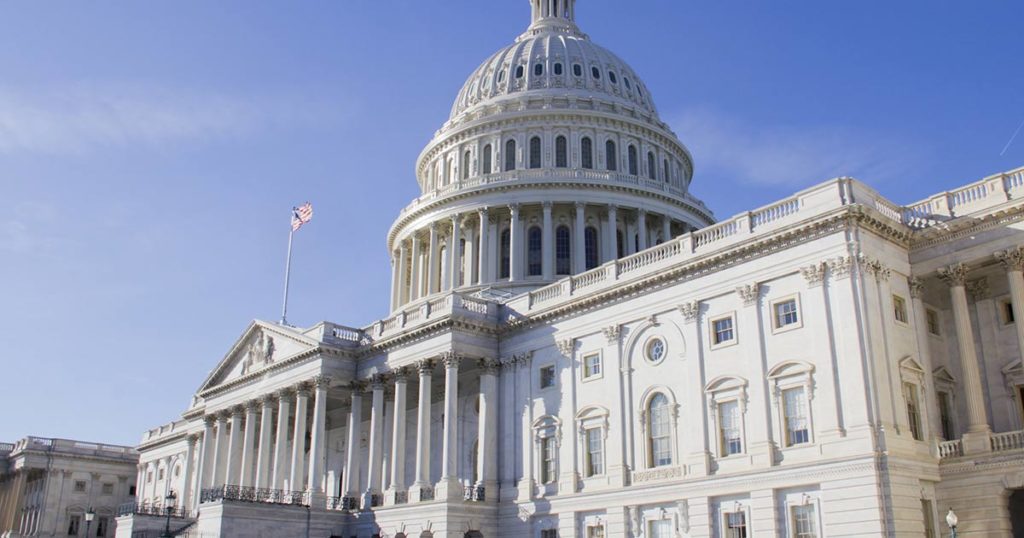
{"x":658,"y":473}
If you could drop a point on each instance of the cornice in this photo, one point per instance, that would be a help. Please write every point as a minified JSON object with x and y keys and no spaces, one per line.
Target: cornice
{"x":300,"y":357}
{"x":968,"y":225}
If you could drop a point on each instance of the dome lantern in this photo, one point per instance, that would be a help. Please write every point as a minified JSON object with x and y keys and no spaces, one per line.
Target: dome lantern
{"x":563,"y":10}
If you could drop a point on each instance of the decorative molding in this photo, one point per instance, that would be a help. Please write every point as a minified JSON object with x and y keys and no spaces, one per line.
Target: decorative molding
{"x":566,"y":347}
{"x":954,"y":275}
{"x":488,"y":366}
{"x":978,"y":289}
{"x":657,"y":473}
{"x":840,"y":267}
{"x":1011,"y":259}
{"x":814,"y":274}
{"x":690,"y":311}
{"x":749,"y":293}
{"x":612,"y":333}
{"x":916,"y":287}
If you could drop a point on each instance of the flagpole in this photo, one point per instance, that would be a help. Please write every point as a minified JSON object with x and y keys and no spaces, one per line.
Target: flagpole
{"x":287,"y":275}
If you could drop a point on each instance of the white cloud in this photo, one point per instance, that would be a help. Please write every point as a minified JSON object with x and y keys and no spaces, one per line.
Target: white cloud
{"x":83,"y":117}
{"x":790,"y":155}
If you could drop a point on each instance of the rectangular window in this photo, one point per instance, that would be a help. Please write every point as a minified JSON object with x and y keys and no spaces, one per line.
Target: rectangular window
{"x":1008,"y":317}
{"x":592,"y":365}
{"x":102,"y":523}
{"x":549,"y":533}
{"x":932,"y":318}
{"x":79,"y":486}
{"x":547,"y":377}
{"x":73,"y":524}
{"x":108,"y":489}
{"x":913,"y":409}
{"x":661,"y":528}
{"x":131,"y":490}
{"x":160,"y":474}
{"x":899,"y":307}
{"x":595,"y":452}
{"x":730,"y":434}
{"x":595,"y":532}
{"x":929,"y":518}
{"x":795,"y":410}
{"x":786,"y":314}
{"x":722,"y":330}
{"x":735,"y":525}
{"x":946,"y":415}
{"x":802,"y":518}
{"x":549,"y":460}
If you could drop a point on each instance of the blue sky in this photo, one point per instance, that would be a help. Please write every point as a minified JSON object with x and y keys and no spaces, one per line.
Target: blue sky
{"x":150,"y":152}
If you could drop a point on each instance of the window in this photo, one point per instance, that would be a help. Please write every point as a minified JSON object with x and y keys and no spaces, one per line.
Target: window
{"x":946,"y":416}
{"x":722,"y":330}
{"x":929,"y":518}
{"x":913,"y":409}
{"x":519,"y":71}
{"x":661,"y":528}
{"x":547,"y":377}
{"x":535,"y":152}
{"x":561,"y":152}
{"x":558,"y":68}
{"x":652,"y":166}
{"x":131,"y":491}
{"x":549,"y":533}
{"x":80,"y":485}
{"x":596,"y":73}
{"x":735,"y":524}
{"x":533,"y":255}
{"x":1008,"y":317}
{"x":510,"y":155}
{"x":538,"y":70}
{"x":668,"y":176}
{"x":506,"y":252}
{"x":577,"y":70}
{"x":794,"y":403}
{"x":595,"y":532}
{"x":73,"y":525}
{"x":586,"y":153}
{"x":595,"y":452}
{"x":487,"y":159}
{"x":631,"y":151}
{"x":102,"y":524}
{"x":655,"y":350}
{"x":730,"y":433}
{"x":899,"y":307}
{"x":591,"y":365}
{"x":149,"y":477}
{"x":108,"y":489}
{"x":931,"y":317}
{"x":590,"y":246}
{"x":466,"y":159}
{"x":785,"y":313}
{"x":660,"y":428}
{"x":611,"y":77}
{"x":628,"y":85}
{"x":549,"y":460}
{"x":563,"y":251}
{"x":620,"y":244}
{"x":802,"y":521}
{"x":611,"y":161}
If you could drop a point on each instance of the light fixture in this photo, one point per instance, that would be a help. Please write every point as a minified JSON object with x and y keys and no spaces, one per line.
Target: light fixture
{"x":89,"y":515}
{"x":952,"y":520}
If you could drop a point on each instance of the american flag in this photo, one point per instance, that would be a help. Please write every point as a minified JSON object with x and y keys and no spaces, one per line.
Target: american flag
{"x":301,"y":215}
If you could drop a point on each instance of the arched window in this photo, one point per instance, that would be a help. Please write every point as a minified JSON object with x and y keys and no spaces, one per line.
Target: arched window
{"x":501,"y":76}
{"x":612,"y":77}
{"x":562,"y":251}
{"x":660,"y":431}
{"x":611,"y":160}
{"x":465,"y":165}
{"x":577,"y":70}
{"x":668,"y":176}
{"x":510,"y":155}
{"x":596,"y":72}
{"x":587,"y":152}
{"x":538,"y":70}
{"x":561,"y":152}
{"x":533,"y":255}
{"x":487,"y":159}
{"x":519,"y":71}
{"x":652,"y":166}
{"x":535,"y":152}
{"x":558,"y":69}
{"x":506,"y":253}
{"x":633,"y":164}
{"x":590,"y":245}
{"x":442,"y":268}
{"x":462,"y":262}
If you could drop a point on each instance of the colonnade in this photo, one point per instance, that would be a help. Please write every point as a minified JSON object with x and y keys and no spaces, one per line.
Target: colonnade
{"x":500,"y":244}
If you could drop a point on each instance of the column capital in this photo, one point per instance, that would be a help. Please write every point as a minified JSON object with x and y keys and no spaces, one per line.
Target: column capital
{"x":302,"y":390}
{"x":916,"y":287}
{"x":223,"y":416}
{"x":814,"y":274}
{"x":749,"y":293}
{"x":580,"y":206}
{"x":566,"y":347}
{"x":238,"y":411}
{"x":285,"y":393}
{"x":377,"y":381}
{"x":690,"y":311}
{"x":612,"y":333}
{"x":488,"y":366}
{"x":321,"y":382}
{"x":1011,"y":259}
{"x":514,"y":208}
{"x":252,"y":405}
{"x":954,"y":275}
{"x":357,"y":387}
{"x":401,"y":374}
{"x":210,"y":420}
{"x":425,"y":366}
{"x":267,"y":400}
{"x":547,"y":206}
{"x":193,"y":438}
{"x":451,"y":359}
{"x":978,"y":289}
{"x":456,"y":219}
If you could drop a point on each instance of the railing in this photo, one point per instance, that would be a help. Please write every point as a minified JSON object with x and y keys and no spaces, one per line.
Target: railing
{"x":6,"y":447}
{"x":254,"y":495}
{"x":132,"y":509}
{"x":1008,"y":441}
{"x":473,"y":493}
{"x":401,"y":497}
{"x":376,"y":499}
{"x":951,"y":449}
{"x":427,"y":494}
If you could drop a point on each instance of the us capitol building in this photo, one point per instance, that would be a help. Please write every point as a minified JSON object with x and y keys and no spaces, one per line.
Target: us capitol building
{"x":577,"y":348}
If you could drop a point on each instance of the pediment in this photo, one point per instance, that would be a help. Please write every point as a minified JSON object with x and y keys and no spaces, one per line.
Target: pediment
{"x":261,"y":346}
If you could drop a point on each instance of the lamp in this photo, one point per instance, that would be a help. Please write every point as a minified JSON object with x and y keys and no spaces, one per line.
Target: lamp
{"x":89,"y":515}
{"x":169,"y":507}
{"x":952,"y":520}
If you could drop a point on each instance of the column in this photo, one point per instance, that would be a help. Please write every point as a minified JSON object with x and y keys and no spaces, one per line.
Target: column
{"x":487,"y":446}
{"x":433,"y":279}
{"x":376,"y":440}
{"x":468,"y":255}
{"x":977,"y":437}
{"x":263,"y":454}
{"x":449,"y":487}
{"x":421,"y":489}
{"x":515,"y":254}
{"x":394,"y":280}
{"x":318,"y":439}
{"x":548,"y":244}
{"x":355,"y":419}
{"x":579,"y":244}
{"x":641,"y":224}
{"x":403,"y":270}
{"x":234,"y":447}
{"x":485,"y":223}
{"x":219,"y":451}
{"x":934,"y":420}
{"x":139,"y":481}
{"x":1013,"y":261}
{"x":455,"y":250}
{"x":284,"y":398}
{"x":248,"y":454}
{"x":415,"y":287}
{"x":396,"y":487}
{"x":507,"y":432}
{"x":666,"y":228}
{"x":296,"y":481}
{"x":207,"y":462}
{"x":611,"y":238}
{"x":185,"y":494}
